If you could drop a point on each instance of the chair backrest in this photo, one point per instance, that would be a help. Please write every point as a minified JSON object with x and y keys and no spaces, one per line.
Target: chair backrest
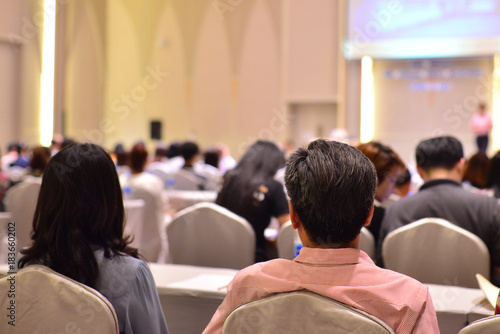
{"x":285,"y":241}
{"x":433,"y":250}
{"x":134,"y":215}
{"x":483,"y":326}
{"x":367,"y":242}
{"x":47,"y":302}
{"x":181,"y":199}
{"x":207,"y":234}
{"x":153,"y":216}
{"x":20,"y":201}
{"x":301,"y":312}
{"x":184,"y":180}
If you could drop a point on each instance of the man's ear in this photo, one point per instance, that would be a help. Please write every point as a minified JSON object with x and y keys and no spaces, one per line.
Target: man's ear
{"x":370,"y":216}
{"x":422,"y":173}
{"x":460,"y":166}
{"x":294,"y":217}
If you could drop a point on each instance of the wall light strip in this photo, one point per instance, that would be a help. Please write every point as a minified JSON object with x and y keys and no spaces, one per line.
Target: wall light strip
{"x":495,"y":104}
{"x":47,"y":76}
{"x":367,"y":121}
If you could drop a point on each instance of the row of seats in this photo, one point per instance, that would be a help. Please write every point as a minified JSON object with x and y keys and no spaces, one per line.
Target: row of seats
{"x":59,"y":304}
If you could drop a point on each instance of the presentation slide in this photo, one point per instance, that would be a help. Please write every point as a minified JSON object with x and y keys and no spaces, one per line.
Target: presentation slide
{"x":422,"y":28}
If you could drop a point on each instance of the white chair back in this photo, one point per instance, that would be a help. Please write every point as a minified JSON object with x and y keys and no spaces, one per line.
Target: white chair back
{"x":367,"y":242}
{"x":433,"y":250}
{"x":207,"y":234}
{"x":20,"y":201}
{"x":483,"y":326}
{"x":285,"y":242}
{"x":5,"y":218}
{"x":184,"y":180}
{"x":47,"y":302}
{"x":301,"y":312}
{"x":181,"y":199}
{"x":151,"y":223}
{"x":134,"y":215}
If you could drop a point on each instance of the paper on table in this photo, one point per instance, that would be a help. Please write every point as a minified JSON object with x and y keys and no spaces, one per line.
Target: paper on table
{"x":489,"y":290}
{"x":205,"y":282}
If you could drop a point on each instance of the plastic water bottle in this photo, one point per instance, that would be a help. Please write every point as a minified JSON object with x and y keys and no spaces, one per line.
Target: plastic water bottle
{"x":297,"y":245}
{"x":170,"y":183}
{"x":127,"y":192}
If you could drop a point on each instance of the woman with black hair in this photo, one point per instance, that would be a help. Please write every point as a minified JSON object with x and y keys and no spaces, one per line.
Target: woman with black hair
{"x":250,"y":191}
{"x":78,"y":232}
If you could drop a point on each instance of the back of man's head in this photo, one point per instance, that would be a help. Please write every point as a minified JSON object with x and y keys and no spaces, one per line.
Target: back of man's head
{"x":188,"y":150}
{"x":331,"y":186}
{"x":439,"y":152}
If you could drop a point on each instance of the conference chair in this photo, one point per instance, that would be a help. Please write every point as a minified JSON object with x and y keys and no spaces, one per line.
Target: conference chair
{"x":433,"y":250}
{"x":152,"y":222}
{"x":48,"y":302}
{"x":184,"y":180}
{"x":181,"y":199}
{"x":207,"y":234}
{"x":20,"y":200}
{"x":5,"y":218}
{"x":134,"y":215}
{"x":301,"y":312}
{"x":367,"y":242}
{"x":483,"y":326}
{"x":285,"y":241}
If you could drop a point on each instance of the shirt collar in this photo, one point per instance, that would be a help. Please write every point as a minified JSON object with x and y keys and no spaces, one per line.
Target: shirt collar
{"x":437,"y":182}
{"x":331,"y":256}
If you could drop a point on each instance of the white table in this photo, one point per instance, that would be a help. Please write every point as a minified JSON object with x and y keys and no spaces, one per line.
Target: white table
{"x":456,"y":307}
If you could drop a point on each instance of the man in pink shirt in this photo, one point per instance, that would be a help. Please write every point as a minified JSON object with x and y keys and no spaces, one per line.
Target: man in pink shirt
{"x":331,"y":187}
{"x":481,"y":124}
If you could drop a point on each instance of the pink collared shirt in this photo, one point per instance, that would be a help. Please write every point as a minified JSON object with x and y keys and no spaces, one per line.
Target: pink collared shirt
{"x":347,"y":275}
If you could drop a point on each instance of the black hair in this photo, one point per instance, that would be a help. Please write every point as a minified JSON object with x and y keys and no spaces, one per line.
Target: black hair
{"x":188,"y":150}
{"x":439,"y":152}
{"x":79,"y":208}
{"x":259,"y":163}
{"x":331,"y":186}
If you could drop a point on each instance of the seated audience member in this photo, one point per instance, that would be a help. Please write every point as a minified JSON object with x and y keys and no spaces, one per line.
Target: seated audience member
{"x":212,"y":157}
{"x":23,"y":160}
{"x":190,"y":152}
{"x":440,"y":163}
{"x":476,"y":172}
{"x":401,"y":189}
{"x":494,"y":175}
{"x":11,"y":156}
{"x":120,"y":157}
{"x":149,"y":188}
{"x":250,"y":191}
{"x":388,"y":166}
{"x":39,"y":160}
{"x":226,"y":161}
{"x":78,"y":232}
{"x":331,"y":187}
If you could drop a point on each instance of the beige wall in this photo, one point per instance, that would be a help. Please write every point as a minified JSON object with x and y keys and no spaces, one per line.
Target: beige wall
{"x":405,"y":114}
{"x":210,"y":71}
{"x":20,"y":28}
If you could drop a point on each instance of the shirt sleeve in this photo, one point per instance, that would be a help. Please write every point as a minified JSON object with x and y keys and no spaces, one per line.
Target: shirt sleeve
{"x":427,"y":322}
{"x":144,"y":313}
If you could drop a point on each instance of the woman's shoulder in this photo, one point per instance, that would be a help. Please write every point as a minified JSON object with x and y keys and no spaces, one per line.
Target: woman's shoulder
{"x":118,"y":273}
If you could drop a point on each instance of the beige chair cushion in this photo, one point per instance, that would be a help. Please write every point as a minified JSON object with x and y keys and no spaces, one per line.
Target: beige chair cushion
{"x":47,"y":302}
{"x":209,"y":235}
{"x":487,"y":325}
{"x":301,"y":312}
{"x":433,"y":250}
